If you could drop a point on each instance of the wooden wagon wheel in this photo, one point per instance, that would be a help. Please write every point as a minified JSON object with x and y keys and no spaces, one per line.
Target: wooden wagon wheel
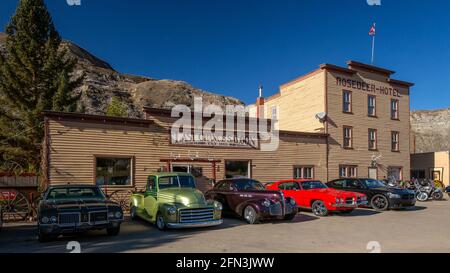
{"x":122,"y":197}
{"x":15,"y":205}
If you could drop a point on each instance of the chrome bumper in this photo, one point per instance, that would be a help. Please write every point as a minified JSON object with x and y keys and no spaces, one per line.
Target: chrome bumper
{"x":195,"y":224}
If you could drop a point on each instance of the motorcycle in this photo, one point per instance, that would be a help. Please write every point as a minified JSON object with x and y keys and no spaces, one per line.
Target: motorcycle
{"x":427,"y":190}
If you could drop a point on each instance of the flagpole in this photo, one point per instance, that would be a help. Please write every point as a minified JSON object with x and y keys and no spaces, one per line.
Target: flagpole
{"x":373,"y":45}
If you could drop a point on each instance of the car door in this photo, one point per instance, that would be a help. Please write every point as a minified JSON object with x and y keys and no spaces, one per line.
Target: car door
{"x":150,"y":197}
{"x":304,"y":199}
{"x":290,"y":189}
{"x":221,"y":194}
{"x":355,"y":185}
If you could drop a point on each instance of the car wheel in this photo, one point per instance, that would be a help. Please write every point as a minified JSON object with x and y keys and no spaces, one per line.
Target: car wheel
{"x":160,"y":222}
{"x":422,"y":196}
{"x":133,"y":212}
{"x":438,"y":195}
{"x":290,"y":216}
{"x":319,"y":209}
{"x":380,"y":202}
{"x":114,"y":231}
{"x":250,"y":215}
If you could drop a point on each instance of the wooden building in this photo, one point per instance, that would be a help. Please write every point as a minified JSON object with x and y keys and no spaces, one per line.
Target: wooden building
{"x":364,"y":111}
{"x":434,"y":165}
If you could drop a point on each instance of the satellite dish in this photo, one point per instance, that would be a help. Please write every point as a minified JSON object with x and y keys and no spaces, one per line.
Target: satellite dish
{"x":321,"y":116}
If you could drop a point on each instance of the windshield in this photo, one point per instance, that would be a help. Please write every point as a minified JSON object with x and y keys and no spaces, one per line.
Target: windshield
{"x":312,"y":185}
{"x":372,"y":183}
{"x":248,"y":184}
{"x":75,"y":193}
{"x":176,"y":182}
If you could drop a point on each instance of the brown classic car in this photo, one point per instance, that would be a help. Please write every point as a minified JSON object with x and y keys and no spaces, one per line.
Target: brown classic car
{"x":248,"y":199}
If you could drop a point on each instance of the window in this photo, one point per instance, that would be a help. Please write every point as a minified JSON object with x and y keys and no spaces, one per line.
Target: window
{"x":372,"y":139}
{"x":237,"y":169}
{"x":176,"y":182}
{"x":75,"y":193}
{"x":303,"y":172}
{"x":311,"y":185}
{"x":248,"y":184}
{"x":395,"y":141}
{"x":395,"y":172}
{"x":394,"y":109}
{"x":339,"y":183}
{"x":371,"y":106}
{"x":347,"y":171}
{"x":348,"y":135}
{"x":289,"y":186}
{"x":274,"y":113}
{"x":113,"y":171}
{"x":346,"y":101}
{"x":151,"y":183}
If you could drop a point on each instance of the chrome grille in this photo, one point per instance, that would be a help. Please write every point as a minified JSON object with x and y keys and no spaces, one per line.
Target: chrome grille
{"x":276,"y":209}
{"x":350,"y":201}
{"x":68,"y":218}
{"x":98,"y":217}
{"x":196,"y":215}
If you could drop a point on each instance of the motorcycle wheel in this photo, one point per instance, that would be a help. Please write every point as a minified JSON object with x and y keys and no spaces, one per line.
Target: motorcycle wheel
{"x":438,"y":195}
{"x":422,"y":196}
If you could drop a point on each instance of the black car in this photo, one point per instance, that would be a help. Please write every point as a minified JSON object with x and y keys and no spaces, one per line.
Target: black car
{"x":68,"y":209}
{"x":380,"y":196}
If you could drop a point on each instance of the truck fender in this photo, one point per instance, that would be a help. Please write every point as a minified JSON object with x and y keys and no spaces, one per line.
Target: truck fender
{"x":137,"y":200}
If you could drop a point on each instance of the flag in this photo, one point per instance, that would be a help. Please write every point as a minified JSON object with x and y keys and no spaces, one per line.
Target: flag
{"x":372,"y":30}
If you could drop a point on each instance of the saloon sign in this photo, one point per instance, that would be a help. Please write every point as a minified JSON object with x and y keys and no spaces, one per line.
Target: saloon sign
{"x":194,"y":138}
{"x":372,"y":88}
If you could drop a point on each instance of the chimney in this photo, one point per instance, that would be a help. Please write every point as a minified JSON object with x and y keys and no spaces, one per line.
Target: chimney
{"x":260,"y":103}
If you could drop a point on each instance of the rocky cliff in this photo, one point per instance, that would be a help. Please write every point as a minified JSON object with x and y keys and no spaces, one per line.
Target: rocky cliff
{"x":102,"y":82}
{"x":431,"y":130}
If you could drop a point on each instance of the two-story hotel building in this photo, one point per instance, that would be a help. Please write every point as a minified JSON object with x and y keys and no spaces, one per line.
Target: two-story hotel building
{"x":363,"y":110}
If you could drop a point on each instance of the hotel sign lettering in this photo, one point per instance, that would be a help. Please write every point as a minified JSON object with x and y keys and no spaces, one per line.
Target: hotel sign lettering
{"x":201,"y":139}
{"x":363,"y":86}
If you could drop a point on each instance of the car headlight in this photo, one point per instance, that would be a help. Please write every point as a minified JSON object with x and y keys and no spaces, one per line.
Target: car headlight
{"x":45,"y":220}
{"x":118,"y":214}
{"x":266,"y":203}
{"x":172,"y":210}
{"x":292,"y":201}
{"x":339,"y":200}
{"x":218,"y":206}
{"x":53,"y":219}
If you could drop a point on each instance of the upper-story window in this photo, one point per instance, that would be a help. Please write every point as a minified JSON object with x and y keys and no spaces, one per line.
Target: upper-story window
{"x":394,"y":109}
{"x":348,"y":137}
{"x":395,"y":136}
{"x":371,"y":106}
{"x":372,"y":139}
{"x":347,"y":101}
{"x":274,"y":113}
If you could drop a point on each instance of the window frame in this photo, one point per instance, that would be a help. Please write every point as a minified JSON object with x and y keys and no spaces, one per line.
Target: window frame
{"x":104,"y":156}
{"x":347,"y":171}
{"x":397,"y":148}
{"x":250,"y":166}
{"x":302,"y":171}
{"x":350,"y":103}
{"x":374,"y":115}
{"x":350,"y":146}
{"x":375,"y":131}
{"x":395,"y":110}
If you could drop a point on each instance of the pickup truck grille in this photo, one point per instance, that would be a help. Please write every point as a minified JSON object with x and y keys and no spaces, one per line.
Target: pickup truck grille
{"x":68,"y":218}
{"x":196,"y":215}
{"x":98,"y":217}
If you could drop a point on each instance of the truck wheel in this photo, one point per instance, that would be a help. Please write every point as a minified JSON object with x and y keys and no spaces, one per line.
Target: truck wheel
{"x":133,"y":212}
{"x":379,"y":202}
{"x":319,"y":208}
{"x":250,"y":215}
{"x":114,"y":231}
{"x":160,"y":222}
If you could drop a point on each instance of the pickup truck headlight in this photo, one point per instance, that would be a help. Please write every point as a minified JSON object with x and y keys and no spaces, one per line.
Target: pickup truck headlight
{"x":172,"y":210}
{"x":118,"y":214}
{"x":218,"y":206}
{"x":266,"y":203}
{"x":53,"y":219}
{"x":45,"y":220}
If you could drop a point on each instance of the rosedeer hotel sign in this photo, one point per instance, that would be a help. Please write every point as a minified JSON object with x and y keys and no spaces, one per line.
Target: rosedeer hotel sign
{"x":194,"y":138}
{"x":372,"y":88}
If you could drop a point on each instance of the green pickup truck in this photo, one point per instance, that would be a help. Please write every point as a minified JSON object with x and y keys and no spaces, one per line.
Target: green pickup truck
{"x":171,"y":200}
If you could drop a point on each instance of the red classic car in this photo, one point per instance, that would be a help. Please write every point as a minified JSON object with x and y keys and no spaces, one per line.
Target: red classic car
{"x":316,"y":196}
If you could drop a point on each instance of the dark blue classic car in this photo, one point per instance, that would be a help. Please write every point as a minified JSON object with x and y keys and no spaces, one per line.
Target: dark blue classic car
{"x":68,"y":209}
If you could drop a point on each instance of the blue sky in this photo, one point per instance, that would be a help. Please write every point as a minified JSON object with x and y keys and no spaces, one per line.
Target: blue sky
{"x":230,"y":46}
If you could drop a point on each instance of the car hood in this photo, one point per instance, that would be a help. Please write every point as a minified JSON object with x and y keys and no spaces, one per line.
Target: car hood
{"x":78,"y":204}
{"x":185,"y":196}
{"x":337,"y":193}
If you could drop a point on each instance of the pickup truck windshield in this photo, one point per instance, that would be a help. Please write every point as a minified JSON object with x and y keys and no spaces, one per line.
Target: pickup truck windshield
{"x":176,"y":182}
{"x":75,"y":193}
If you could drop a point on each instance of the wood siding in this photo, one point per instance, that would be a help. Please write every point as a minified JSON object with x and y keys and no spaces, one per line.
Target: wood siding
{"x":427,"y":162}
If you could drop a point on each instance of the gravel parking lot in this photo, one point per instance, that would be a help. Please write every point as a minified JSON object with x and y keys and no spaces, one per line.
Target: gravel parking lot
{"x":421,"y":229}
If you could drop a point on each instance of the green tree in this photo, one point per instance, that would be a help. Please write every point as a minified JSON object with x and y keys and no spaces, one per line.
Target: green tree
{"x":116,"y":108}
{"x":35,"y":75}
